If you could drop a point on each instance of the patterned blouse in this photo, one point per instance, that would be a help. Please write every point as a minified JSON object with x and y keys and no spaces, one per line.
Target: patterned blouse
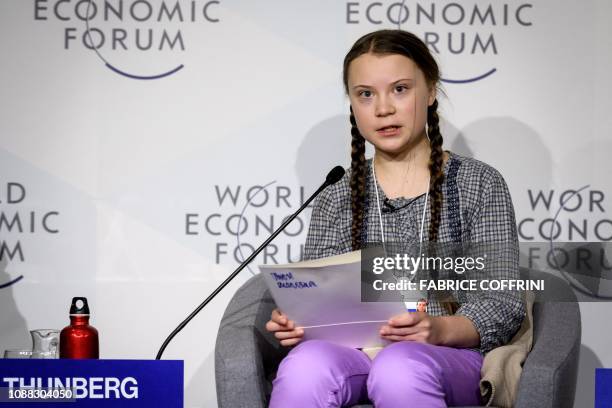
{"x":476,"y":208}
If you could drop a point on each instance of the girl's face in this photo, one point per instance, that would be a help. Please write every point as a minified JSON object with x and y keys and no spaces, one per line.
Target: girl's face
{"x":389,"y":96}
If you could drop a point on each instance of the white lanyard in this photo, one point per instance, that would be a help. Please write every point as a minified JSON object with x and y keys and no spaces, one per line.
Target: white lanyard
{"x":382,"y":230}
{"x":410,"y":305}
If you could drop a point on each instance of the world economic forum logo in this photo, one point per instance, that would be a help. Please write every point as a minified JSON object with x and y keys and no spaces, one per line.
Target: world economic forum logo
{"x":245,"y":216}
{"x":138,"y":39}
{"x":464,"y":34}
{"x":11,"y":282}
{"x":576,"y":229}
{"x":16,"y":222}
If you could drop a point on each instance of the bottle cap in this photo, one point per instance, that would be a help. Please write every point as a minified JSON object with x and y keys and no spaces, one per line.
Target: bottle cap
{"x":79,"y":306}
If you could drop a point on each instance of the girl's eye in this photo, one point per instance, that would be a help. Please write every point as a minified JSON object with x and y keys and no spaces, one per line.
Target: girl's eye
{"x":365,"y":93}
{"x":401,"y":88}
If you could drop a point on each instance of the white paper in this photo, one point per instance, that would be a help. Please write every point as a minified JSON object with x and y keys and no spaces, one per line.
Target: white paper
{"x":324,"y":297}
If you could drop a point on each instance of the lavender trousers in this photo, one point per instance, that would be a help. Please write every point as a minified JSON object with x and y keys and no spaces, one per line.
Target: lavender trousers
{"x":404,"y":374}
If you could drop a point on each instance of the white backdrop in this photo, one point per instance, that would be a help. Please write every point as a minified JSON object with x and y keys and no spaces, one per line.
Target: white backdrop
{"x":127,"y":157}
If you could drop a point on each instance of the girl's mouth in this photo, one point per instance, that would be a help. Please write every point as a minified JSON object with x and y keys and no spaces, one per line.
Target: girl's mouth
{"x":389,"y":131}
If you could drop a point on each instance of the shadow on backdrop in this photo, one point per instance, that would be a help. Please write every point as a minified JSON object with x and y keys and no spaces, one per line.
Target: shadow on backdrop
{"x":326,"y":145}
{"x":511,"y":146}
{"x":14,"y":332}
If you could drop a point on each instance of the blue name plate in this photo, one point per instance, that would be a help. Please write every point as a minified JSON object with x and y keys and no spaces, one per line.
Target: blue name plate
{"x":91,"y":383}
{"x":603,"y":387}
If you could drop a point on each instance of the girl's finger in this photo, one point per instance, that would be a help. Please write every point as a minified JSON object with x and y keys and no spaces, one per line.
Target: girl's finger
{"x":393,"y":338}
{"x":411,"y":337}
{"x":398,"y":331}
{"x":272,"y":326}
{"x":282,"y":335}
{"x":291,"y":342}
{"x":279,"y":317}
{"x":406,"y":319}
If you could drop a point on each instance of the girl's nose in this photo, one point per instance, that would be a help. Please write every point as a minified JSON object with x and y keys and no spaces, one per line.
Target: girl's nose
{"x":384,"y":107}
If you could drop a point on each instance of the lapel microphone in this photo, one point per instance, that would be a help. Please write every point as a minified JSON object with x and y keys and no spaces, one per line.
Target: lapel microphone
{"x":388,"y":207}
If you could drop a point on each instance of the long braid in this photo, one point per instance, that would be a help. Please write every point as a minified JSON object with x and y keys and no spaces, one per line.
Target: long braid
{"x":358,"y":182}
{"x":436,"y":161}
{"x":436,"y":164}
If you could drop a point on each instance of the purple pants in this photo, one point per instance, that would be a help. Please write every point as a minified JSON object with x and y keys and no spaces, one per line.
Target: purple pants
{"x":404,"y":374}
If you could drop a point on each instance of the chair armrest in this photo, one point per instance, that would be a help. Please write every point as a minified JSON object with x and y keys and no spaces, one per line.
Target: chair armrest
{"x":246,"y":355}
{"x":550,"y":370}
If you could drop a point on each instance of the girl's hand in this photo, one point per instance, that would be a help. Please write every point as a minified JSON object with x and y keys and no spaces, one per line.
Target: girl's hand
{"x":414,"y":326}
{"x":284,"y":329}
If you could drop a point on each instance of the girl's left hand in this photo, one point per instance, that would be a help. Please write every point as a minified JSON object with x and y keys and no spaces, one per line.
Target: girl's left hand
{"x":413,"y":326}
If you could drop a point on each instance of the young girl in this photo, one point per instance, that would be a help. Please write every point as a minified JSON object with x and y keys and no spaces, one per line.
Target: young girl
{"x":434,"y":359}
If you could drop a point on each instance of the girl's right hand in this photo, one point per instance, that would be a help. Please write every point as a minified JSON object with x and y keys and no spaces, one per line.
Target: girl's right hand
{"x":284,"y":329}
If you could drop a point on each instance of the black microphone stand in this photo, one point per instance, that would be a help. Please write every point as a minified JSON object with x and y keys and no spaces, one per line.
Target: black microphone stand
{"x":334,"y":175}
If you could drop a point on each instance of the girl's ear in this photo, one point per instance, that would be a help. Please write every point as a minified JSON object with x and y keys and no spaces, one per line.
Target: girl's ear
{"x":432,"y":95}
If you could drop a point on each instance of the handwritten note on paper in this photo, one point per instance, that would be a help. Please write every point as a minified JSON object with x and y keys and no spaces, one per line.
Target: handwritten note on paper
{"x":324,"y":297}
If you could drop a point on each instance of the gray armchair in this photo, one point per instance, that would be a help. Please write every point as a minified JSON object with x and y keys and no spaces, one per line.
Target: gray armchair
{"x":246,"y":355}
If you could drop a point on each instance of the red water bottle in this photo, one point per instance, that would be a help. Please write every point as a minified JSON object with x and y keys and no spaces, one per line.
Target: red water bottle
{"x":79,"y":340}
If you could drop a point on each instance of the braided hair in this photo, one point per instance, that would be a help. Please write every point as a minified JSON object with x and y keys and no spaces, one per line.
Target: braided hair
{"x":385,"y":42}
{"x":435,"y":169}
{"x":357,"y":183}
